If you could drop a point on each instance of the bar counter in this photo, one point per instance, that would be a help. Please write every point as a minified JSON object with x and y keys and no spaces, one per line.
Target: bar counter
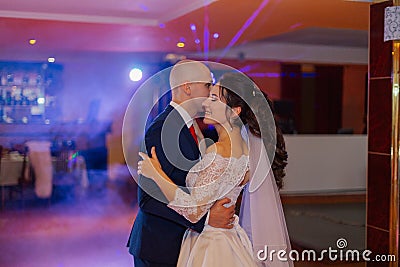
{"x":84,"y":135}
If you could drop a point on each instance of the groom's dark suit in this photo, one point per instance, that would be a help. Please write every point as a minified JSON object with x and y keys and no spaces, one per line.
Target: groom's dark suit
{"x":157,"y":233}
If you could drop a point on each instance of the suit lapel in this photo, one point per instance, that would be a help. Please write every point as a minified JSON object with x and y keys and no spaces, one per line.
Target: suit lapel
{"x":184,"y":131}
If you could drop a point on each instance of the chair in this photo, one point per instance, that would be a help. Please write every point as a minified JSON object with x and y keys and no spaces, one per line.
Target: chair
{"x":12,"y":170}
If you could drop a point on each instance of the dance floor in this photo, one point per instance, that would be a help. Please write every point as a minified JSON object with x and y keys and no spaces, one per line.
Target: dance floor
{"x":92,"y":229}
{"x":320,"y":226}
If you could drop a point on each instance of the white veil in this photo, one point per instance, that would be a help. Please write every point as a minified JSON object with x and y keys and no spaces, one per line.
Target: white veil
{"x":261,"y":213}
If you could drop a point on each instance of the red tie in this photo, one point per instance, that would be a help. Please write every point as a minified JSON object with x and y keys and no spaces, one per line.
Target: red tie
{"x":193,"y":132}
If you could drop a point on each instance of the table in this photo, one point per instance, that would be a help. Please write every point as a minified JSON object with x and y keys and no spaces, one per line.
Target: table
{"x":11,"y":170}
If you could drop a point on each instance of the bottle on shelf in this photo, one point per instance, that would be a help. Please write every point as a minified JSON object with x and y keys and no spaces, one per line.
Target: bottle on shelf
{"x":2,"y":102}
{"x":26,"y":91}
{"x":8,"y":98}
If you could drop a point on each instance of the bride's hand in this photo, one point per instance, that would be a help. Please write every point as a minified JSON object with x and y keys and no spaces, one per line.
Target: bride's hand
{"x":149,"y":167}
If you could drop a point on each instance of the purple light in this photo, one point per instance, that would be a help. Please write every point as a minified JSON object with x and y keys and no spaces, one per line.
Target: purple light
{"x":143,"y":7}
{"x":192,"y":27}
{"x":161,"y":25}
{"x":182,"y":39}
{"x":197,"y":41}
{"x":246,"y":68}
{"x":216,"y":35}
{"x":296,"y":25}
{"x":206,"y":36}
{"x":264,"y":74}
{"x":243,"y":28}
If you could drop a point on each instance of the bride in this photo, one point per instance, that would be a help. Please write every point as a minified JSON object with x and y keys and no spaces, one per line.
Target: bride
{"x":237,"y":161}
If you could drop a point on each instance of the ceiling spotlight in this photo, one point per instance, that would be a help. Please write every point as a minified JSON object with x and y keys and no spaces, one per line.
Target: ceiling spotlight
{"x":51,"y":60}
{"x":180,"y":44}
{"x":192,"y":27}
{"x":135,"y":74}
{"x":216,"y":35}
{"x":173,"y":58}
{"x":197,"y":41}
{"x":32,"y":41}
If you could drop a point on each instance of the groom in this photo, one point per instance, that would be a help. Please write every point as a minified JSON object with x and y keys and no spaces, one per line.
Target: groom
{"x":157,"y":233}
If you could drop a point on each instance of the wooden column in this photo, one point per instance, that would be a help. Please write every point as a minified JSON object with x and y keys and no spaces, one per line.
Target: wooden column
{"x":394,"y":194}
{"x":380,"y":138}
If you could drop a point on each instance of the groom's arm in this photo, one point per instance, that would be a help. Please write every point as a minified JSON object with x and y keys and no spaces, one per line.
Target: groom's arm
{"x":153,"y":201}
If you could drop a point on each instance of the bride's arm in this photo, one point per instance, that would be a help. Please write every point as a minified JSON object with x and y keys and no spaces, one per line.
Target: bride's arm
{"x":151,"y":168}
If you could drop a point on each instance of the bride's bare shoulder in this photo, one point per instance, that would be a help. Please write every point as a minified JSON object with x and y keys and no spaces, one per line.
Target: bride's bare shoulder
{"x":212,"y":148}
{"x":217,"y":148}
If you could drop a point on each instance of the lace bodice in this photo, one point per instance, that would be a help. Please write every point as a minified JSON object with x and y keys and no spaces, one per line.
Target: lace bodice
{"x":213,"y":178}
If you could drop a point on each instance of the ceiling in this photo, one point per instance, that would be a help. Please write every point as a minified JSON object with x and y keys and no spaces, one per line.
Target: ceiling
{"x":137,"y":26}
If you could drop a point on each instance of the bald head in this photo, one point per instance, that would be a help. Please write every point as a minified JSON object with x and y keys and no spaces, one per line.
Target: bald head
{"x":189,"y":71}
{"x":190,"y":81}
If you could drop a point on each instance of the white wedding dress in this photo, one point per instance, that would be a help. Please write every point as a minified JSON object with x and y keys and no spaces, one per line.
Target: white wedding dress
{"x":213,"y":178}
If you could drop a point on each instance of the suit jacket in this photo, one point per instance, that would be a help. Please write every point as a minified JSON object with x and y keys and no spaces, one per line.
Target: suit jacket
{"x":157,"y":232}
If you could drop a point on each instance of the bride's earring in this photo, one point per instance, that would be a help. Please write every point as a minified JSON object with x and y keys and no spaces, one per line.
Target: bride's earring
{"x":230,"y":126}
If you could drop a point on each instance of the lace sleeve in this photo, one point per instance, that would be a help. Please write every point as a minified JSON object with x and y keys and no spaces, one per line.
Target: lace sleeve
{"x":208,"y":181}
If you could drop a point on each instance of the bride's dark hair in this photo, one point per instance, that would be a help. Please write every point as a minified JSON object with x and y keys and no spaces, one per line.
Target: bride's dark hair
{"x":245,"y":89}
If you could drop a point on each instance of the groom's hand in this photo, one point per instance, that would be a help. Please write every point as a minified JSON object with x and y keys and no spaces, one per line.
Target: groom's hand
{"x":220,"y":216}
